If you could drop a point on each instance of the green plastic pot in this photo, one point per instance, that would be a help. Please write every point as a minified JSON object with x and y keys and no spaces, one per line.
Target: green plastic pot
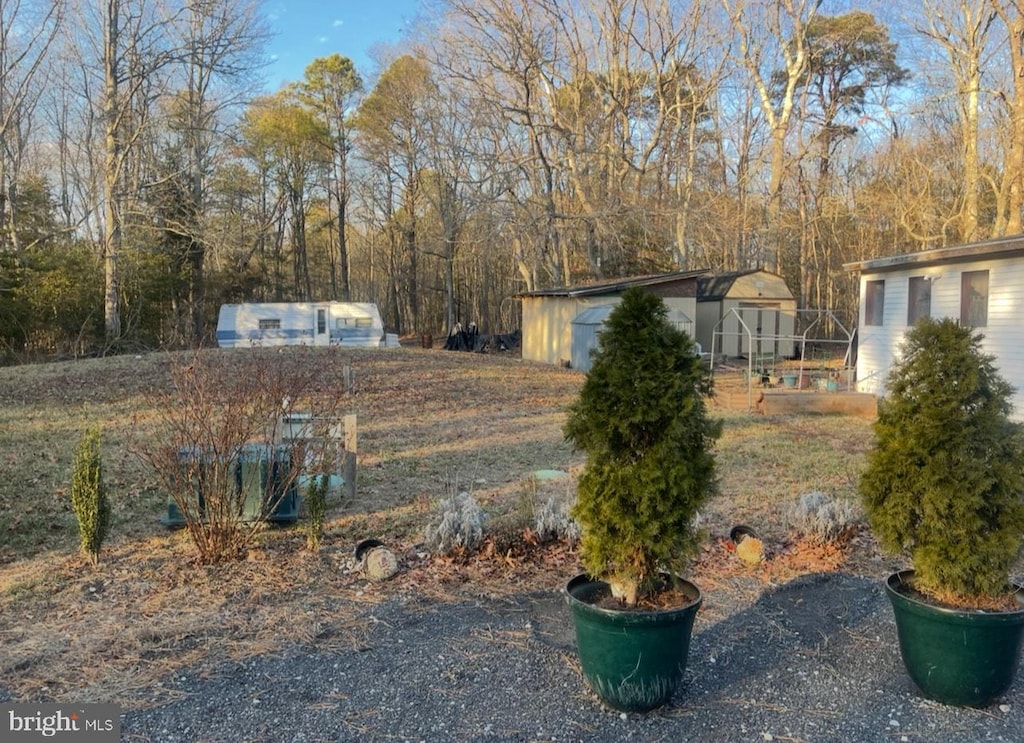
{"x":633,"y":660}
{"x":966,"y":658}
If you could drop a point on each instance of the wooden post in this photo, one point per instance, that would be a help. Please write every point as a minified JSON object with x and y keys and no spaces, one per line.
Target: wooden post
{"x":349,"y":377}
{"x":349,"y":457}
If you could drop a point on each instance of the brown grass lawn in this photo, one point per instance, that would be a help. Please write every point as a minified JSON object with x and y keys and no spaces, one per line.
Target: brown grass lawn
{"x":430,"y":423}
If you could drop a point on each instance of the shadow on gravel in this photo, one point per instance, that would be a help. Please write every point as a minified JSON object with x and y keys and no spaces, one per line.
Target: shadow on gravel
{"x":812,"y":660}
{"x":815,"y":659}
{"x":821,"y":617}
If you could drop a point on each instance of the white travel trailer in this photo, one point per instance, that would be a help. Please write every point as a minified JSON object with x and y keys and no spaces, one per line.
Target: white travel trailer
{"x":355,"y":324}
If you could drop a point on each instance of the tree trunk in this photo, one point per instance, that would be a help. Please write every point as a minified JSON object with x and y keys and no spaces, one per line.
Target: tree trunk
{"x":111,"y":173}
{"x":1011,"y":192}
{"x":343,"y":267}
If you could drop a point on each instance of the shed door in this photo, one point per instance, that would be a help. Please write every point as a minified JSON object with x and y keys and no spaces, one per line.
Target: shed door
{"x":762,"y":318}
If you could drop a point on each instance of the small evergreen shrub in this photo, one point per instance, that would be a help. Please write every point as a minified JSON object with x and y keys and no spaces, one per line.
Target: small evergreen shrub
{"x":316,"y":510}
{"x":458,"y":525}
{"x":945,"y":477}
{"x":642,"y":422}
{"x":88,"y":494}
{"x":820,"y":517}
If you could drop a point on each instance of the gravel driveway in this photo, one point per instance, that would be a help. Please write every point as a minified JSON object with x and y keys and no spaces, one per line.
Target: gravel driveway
{"x":812,"y":660}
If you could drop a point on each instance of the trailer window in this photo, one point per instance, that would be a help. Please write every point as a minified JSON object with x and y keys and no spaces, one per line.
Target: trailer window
{"x":874,"y":302}
{"x":919,"y":301}
{"x":353,"y":322}
{"x":270,"y":324}
{"x":974,"y":299}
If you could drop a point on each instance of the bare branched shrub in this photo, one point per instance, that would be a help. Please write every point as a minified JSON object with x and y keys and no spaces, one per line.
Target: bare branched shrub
{"x":221,"y":445}
{"x":458,"y":524}
{"x":820,"y":517}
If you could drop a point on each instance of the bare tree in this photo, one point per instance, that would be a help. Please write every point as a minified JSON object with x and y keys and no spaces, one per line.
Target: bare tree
{"x":1010,"y":191}
{"x":961,"y":31}
{"x":218,"y":42}
{"x":772,"y":44}
{"x":332,"y":88}
{"x":851,"y":71}
{"x":26,"y":34}
{"x":290,"y":147}
{"x":505,"y":50}
{"x":601,"y":108}
{"x":133,"y":51}
{"x":393,"y":137}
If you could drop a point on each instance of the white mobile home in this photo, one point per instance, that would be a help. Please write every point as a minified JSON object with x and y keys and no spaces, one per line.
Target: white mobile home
{"x":301,"y":324}
{"x":980,"y":285}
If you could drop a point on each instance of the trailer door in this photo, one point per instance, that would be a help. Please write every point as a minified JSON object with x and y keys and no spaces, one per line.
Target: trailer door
{"x":321,"y":330}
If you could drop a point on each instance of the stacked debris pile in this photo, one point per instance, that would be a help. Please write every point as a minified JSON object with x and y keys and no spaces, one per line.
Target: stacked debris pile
{"x":469,"y":338}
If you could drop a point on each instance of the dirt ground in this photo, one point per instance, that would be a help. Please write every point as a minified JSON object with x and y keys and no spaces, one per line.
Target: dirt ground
{"x":431,"y":423}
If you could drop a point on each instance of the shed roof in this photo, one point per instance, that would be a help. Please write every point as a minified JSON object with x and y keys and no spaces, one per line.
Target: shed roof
{"x":1000,"y":247}
{"x":597,"y":315}
{"x":614,"y":286}
{"x":718,"y":286}
{"x":593,"y":315}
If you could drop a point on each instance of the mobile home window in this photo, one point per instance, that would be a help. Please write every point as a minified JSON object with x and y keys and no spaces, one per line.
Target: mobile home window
{"x":919,"y":299}
{"x":354,"y":322}
{"x":974,"y":298}
{"x":874,"y":302}
{"x":271,"y":324}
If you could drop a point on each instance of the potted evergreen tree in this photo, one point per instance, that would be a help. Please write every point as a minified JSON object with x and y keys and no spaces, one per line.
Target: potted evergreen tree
{"x":945,"y":483}
{"x":640,"y":418}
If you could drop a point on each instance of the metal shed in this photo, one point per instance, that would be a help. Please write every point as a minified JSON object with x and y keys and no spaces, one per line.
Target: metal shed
{"x":548,"y":314}
{"x":587,"y":325}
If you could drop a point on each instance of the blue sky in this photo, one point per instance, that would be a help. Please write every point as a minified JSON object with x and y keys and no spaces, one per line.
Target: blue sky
{"x":307,"y":29}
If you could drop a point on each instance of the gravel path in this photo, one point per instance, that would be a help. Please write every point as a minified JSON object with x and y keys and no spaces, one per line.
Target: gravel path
{"x":813,"y":660}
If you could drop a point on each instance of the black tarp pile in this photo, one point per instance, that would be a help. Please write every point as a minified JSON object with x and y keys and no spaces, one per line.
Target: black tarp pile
{"x":462,"y":339}
{"x":469,"y":338}
{"x":507,"y":341}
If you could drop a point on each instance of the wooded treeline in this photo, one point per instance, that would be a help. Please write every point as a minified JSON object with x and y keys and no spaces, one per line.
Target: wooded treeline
{"x":512,"y":145}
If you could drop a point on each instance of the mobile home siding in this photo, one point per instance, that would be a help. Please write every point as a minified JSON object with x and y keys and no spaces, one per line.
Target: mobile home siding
{"x":879,"y":346}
